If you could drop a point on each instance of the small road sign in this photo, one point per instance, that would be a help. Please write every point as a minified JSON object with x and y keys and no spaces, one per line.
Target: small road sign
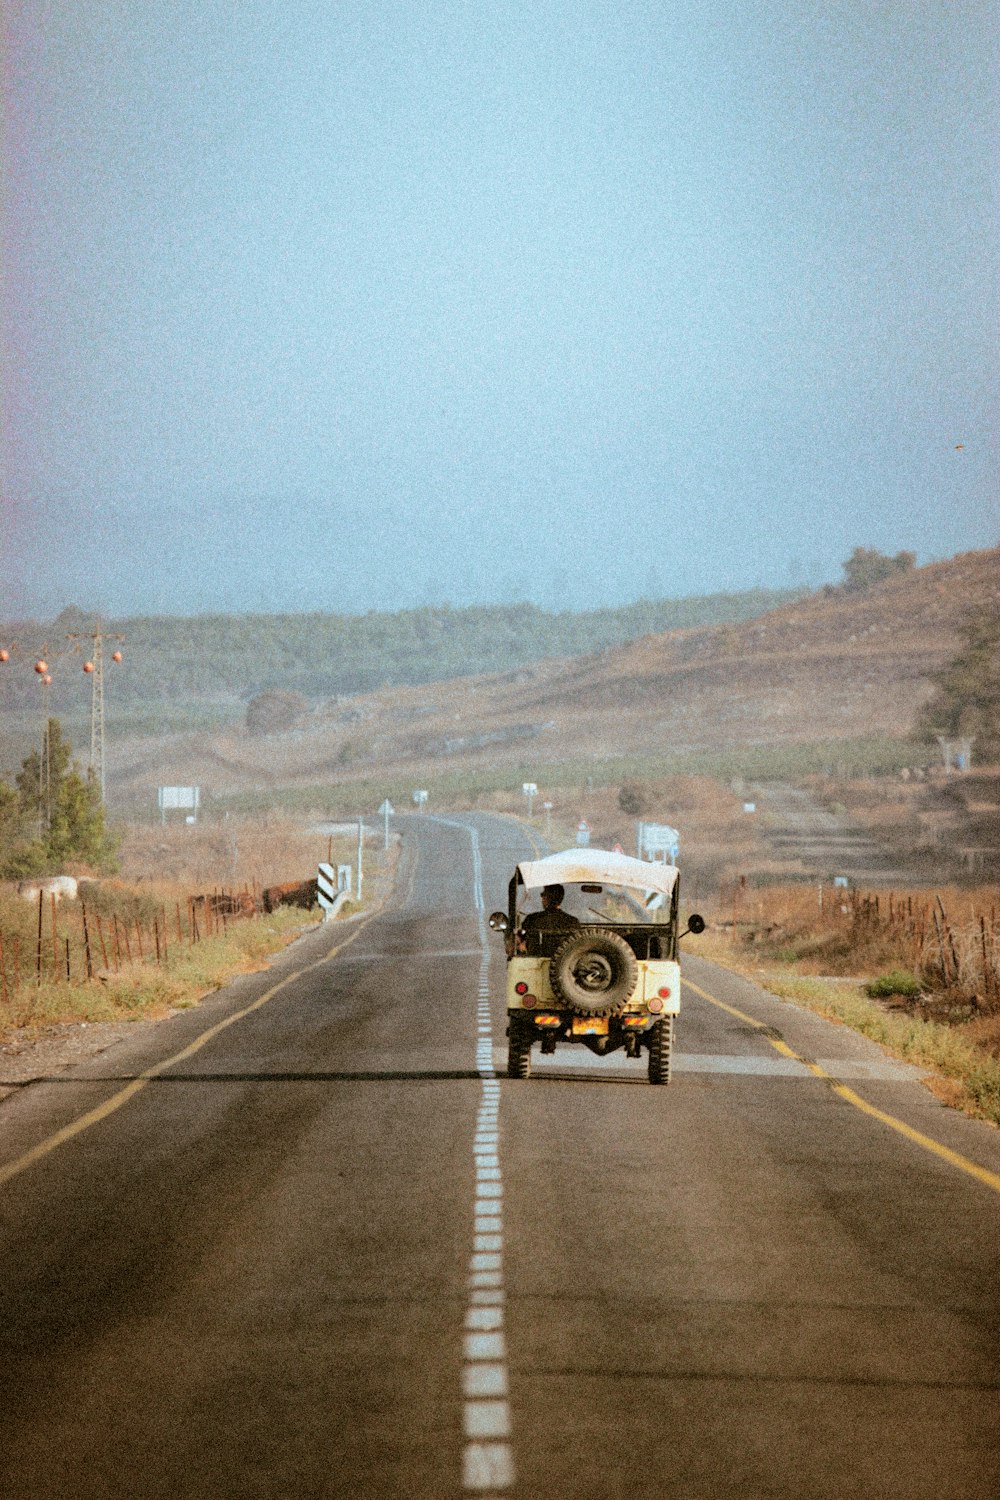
{"x":178,"y":797}
{"x":326,"y":888}
{"x":658,"y":842}
{"x":387,"y":811}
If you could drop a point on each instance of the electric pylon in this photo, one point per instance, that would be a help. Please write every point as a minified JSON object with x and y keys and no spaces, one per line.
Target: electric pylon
{"x":95,"y":669}
{"x":97,"y":717}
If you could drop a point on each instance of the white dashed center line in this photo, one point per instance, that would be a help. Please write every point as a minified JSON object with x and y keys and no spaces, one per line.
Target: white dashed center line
{"x":487,"y":1458}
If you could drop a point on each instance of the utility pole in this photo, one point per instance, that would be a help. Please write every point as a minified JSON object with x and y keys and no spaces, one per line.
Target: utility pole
{"x":45,"y":754}
{"x":97,"y":716}
{"x":95,"y":669}
{"x":45,"y":772}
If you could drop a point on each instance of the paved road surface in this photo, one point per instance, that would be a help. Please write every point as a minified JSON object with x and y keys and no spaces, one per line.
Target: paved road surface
{"x":324,"y":1252}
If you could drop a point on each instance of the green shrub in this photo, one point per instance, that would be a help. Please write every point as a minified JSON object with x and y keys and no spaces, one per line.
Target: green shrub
{"x":896,"y":982}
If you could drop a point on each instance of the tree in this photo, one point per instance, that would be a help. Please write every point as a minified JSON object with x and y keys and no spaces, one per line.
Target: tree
{"x":275,"y":712}
{"x":966,"y":698}
{"x":14,"y":826}
{"x":632,"y":801}
{"x":77,"y":828}
{"x":56,"y":814}
{"x":866,"y":567}
{"x":41,"y":774}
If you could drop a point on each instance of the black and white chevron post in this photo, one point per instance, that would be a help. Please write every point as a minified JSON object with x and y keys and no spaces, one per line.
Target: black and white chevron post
{"x":326,"y":888}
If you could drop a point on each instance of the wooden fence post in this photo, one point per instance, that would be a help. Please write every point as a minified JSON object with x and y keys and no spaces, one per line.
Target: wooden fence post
{"x":100,"y":934}
{"x":86,"y":941}
{"x":55,"y":939}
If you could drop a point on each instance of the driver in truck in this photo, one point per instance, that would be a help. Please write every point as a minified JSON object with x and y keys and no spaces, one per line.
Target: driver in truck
{"x":551,"y":918}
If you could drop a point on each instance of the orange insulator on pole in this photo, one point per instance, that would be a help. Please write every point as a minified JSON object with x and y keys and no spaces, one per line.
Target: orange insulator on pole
{"x":116,"y":656}
{"x":41,"y":667}
{"x":88,"y":667}
{"x":4,"y":654}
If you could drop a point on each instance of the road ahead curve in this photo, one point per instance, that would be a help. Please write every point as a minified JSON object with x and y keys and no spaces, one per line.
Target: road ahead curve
{"x":324,"y":1251}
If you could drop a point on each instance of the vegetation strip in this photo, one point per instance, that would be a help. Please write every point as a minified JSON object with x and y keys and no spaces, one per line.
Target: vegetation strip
{"x":94,"y":1116}
{"x":461,"y":786}
{"x":982,"y":1174}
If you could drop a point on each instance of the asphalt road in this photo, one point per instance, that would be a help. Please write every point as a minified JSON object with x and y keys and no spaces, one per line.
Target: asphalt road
{"x":323,"y":1251}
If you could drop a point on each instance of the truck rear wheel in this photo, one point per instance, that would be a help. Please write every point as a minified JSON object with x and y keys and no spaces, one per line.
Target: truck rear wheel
{"x":519,"y":1039}
{"x":661,"y":1038}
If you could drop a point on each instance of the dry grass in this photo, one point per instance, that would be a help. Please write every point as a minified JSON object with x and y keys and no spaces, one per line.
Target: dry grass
{"x":151,"y":991}
{"x":234,"y":852}
{"x":948,"y":939}
{"x":782,"y":939}
{"x":149,"y":953}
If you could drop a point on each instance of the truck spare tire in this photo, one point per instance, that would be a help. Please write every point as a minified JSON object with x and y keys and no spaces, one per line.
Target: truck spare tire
{"x":594,"y":972}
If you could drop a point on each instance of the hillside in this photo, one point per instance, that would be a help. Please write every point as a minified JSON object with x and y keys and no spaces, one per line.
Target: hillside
{"x":830,"y":667}
{"x":181,"y":671}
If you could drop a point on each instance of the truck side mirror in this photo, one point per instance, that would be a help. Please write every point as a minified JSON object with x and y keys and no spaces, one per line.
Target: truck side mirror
{"x":695,"y":924}
{"x":499,"y":922}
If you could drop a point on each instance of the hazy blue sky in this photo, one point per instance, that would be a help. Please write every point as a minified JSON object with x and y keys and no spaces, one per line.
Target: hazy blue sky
{"x":341,"y":305}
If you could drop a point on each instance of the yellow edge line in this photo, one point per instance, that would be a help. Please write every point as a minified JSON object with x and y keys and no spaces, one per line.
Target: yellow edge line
{"x":527,"y":830}
{"x":981,"y":1174}
{"x":535,"y":844}
{"x":94,"y":1116}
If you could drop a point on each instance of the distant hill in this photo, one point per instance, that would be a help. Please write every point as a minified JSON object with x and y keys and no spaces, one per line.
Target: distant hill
{"x":179,"y":663}
{"x":837,"y":667}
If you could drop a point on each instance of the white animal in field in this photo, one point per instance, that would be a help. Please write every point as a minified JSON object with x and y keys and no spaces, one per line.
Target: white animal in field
{"x":48,"y":885}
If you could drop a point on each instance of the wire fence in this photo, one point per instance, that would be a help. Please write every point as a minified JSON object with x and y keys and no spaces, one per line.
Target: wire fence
{"x":71,"y":942}
{"x":959,"y":955}
{"x":948,"y":941}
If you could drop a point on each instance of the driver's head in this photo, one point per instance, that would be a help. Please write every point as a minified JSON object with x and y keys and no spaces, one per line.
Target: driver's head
{"x":552,"y":896}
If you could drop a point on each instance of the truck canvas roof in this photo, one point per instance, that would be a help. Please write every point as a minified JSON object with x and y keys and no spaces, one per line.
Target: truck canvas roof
{"x":581,"y":866}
